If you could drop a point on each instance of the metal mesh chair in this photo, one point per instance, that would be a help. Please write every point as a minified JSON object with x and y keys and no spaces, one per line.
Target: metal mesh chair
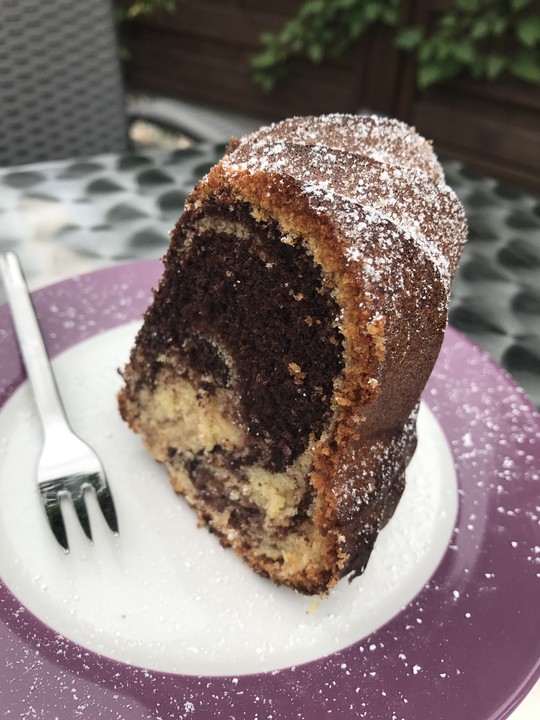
{"x":61,"y":91}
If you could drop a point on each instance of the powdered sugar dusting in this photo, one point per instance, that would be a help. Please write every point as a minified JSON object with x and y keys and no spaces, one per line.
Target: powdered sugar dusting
{"x":393,"y":186}
{"x":495,"y":437}
{"x":385,"y":140}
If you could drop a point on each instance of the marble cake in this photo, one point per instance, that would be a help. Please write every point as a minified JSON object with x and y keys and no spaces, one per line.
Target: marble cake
{"x":279,"y":368}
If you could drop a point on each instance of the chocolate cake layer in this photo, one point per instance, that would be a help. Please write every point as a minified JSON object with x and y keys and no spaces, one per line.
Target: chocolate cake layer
{"x":256,"y":315}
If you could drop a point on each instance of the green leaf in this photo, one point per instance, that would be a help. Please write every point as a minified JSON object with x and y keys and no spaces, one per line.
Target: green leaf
{"x":266,"y":82}
{"x":372,"y":11}
{"x":442,"y":49}
{"x":267,"y":38}
{"x":480,"y":28}
{"x":432,"y":73}
{"x":426,"y":51}
{"x":140,"y":8}
{"x":499,"y":25}
{"x":448,"y":21}
{"x":528,"y":30}
{"x":495,"y":64}
{"x":409,"y":38}
{"x":471,"y":35}
{"x":428,"y":75}
{"x":315,"y":53}
{"x":526,"y":66}
{"x":469,"y":5}
{"x":390,"y":15}
{"x":357,"y":26}
{"x":518,"y":5}
{"x":263,"y":60}
{"x":464,"y":52}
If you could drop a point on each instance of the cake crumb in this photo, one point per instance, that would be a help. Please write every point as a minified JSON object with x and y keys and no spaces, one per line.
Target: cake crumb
{"x":297,"y":373}
{"x":314,"y":605}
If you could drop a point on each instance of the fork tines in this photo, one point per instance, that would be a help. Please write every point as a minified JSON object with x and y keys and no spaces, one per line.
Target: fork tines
{"x":53,"y":492}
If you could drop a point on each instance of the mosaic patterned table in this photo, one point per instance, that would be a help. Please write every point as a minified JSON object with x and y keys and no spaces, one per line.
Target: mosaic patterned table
{"x":69,"y":217}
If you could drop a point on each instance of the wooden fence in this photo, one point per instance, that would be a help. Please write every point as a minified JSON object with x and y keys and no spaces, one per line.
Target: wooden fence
{"x":202,"y":53}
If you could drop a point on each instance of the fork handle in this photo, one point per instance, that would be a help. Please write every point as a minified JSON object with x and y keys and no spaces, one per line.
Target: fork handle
{"x":32,"y":346}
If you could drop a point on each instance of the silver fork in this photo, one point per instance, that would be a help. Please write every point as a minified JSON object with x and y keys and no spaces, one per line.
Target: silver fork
{"x":68,"y":467}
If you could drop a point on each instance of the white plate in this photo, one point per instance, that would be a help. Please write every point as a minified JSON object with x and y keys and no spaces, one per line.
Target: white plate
{"x":164,"y":594}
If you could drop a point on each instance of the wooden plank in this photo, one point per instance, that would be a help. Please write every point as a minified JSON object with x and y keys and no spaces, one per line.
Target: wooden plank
{"x":412,"y":12}
{"x":196,"y":70}
{"x":227,"y":62}
{"x":506,"y":90}
{"x":509,"y":151}
{"x":295,"y":98}
{"x":184,"y":61}
{"x":502,"y":131}
{"x":211,"y":96}
{"x":285,"y":8}
{"x":490,"y":138}
{"x":291,"y":101}
{"x":382,"y":72}
{"x":214,"y":20}
{"x":241,"y":40}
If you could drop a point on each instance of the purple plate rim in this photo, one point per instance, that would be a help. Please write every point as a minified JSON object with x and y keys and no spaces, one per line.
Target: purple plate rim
{"x":439,"y":651}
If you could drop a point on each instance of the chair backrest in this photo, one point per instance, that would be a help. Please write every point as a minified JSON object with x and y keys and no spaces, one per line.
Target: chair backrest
{"x":61,"y":92}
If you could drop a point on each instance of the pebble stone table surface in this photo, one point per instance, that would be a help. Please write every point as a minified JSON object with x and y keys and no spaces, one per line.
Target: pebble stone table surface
{"x":71,"y":217}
